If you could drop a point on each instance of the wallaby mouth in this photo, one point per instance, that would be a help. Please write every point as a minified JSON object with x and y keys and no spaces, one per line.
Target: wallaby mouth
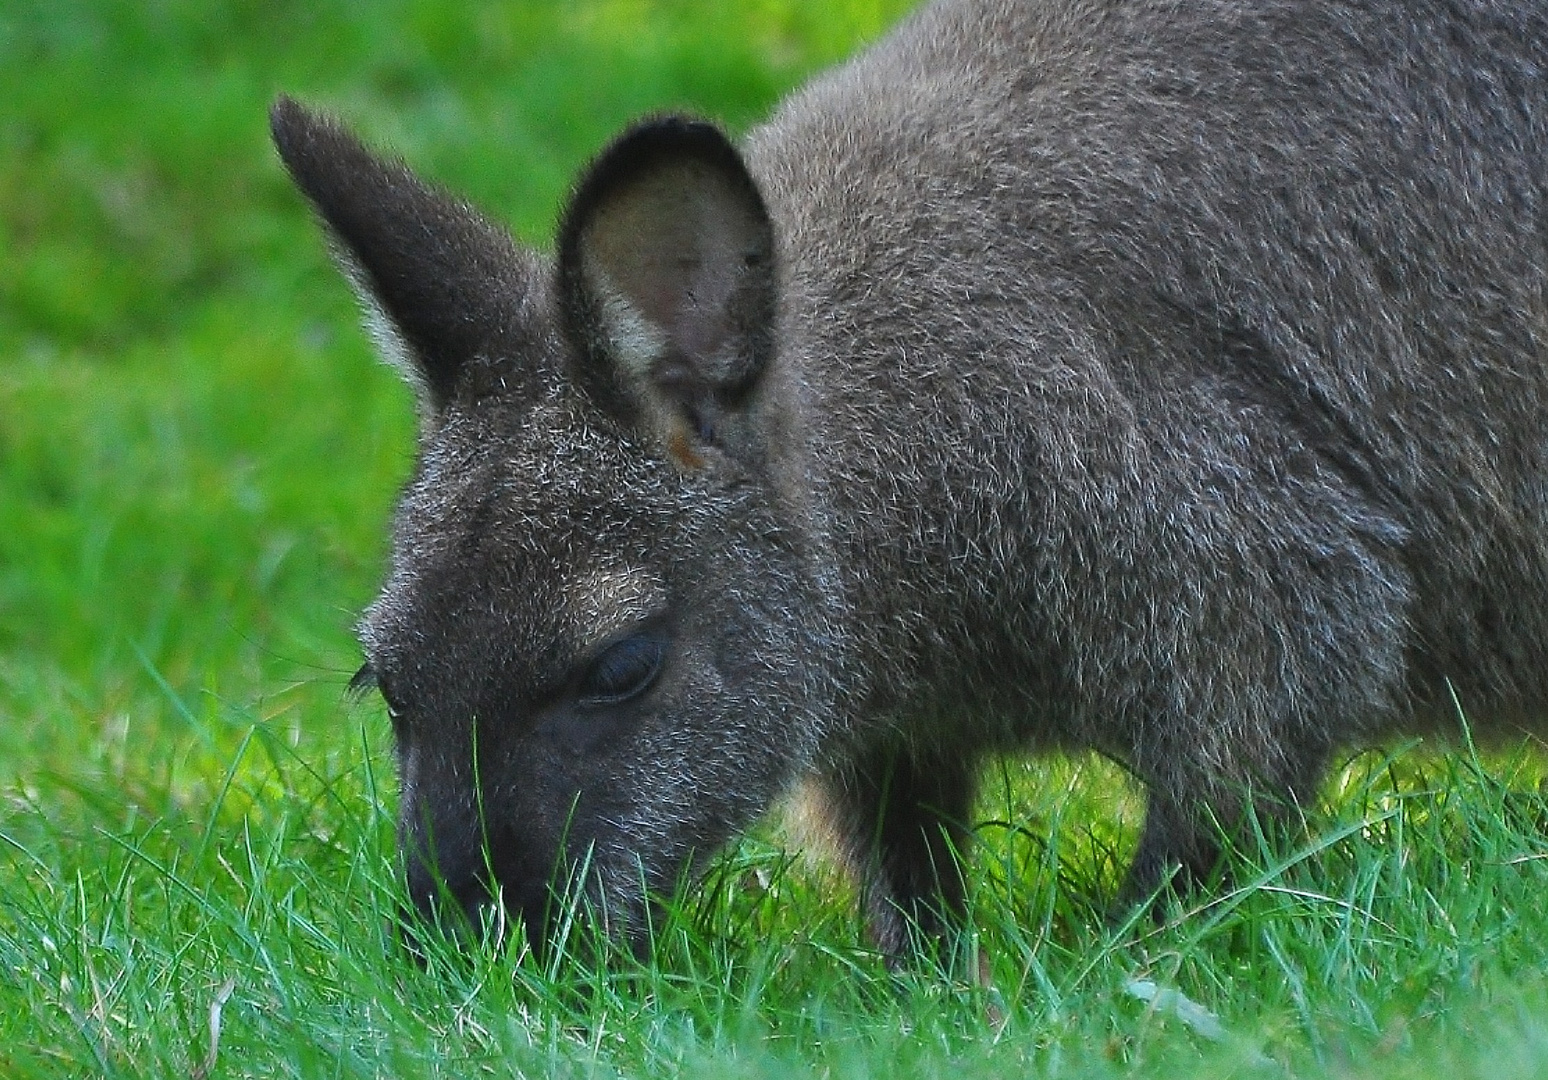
{"x":477,"y":909}
{"x":560,"y":906}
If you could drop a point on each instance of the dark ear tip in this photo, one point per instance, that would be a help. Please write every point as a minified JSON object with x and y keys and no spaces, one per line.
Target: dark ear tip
{"x":654,"y":139}
{"x":286,"y":119}
{"x":284,"y":108}
{"x":676,"y":131}
{"x":297,"y":129}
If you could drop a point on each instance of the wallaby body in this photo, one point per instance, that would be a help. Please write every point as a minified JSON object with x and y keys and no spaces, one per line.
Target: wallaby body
{"x":1165,"y":379}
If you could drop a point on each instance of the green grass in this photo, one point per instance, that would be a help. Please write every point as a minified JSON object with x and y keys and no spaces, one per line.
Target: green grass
{"x":197,"y":456}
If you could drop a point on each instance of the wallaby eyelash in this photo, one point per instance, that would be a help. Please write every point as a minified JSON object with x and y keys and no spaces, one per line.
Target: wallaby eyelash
{"x":362,"y":682}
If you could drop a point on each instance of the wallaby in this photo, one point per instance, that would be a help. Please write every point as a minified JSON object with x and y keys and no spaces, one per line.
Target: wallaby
{"x":1164,"y":378}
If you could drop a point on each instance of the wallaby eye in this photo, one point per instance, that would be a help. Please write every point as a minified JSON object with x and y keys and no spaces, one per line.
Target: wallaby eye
{"x":625,"y":670}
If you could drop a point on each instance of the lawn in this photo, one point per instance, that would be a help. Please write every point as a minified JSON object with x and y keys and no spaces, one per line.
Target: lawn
{"x":198,"y":454}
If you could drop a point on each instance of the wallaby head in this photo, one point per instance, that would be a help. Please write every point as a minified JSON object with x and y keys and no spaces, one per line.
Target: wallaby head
{"x":595,"y":637}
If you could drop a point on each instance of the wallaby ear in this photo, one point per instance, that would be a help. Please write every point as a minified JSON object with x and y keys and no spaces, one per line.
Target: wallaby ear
{"x":439,"y":283}
{"x":667,"y":282}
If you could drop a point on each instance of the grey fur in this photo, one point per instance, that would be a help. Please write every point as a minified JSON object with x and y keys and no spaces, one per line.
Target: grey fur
{"x":1165,"y":379}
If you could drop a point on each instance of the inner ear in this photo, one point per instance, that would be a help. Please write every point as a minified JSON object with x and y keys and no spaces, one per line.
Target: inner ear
{"x":666,"y":280}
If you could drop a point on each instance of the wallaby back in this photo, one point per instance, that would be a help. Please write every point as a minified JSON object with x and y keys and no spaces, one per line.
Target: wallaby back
{"x":1166,"y":379}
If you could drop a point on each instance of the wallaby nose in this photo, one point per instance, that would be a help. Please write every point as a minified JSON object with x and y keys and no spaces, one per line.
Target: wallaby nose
{"x":471,"y":883}
{"x":456,"y":910}
{"x":442,"y":897}
{"x":445,"y":884}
